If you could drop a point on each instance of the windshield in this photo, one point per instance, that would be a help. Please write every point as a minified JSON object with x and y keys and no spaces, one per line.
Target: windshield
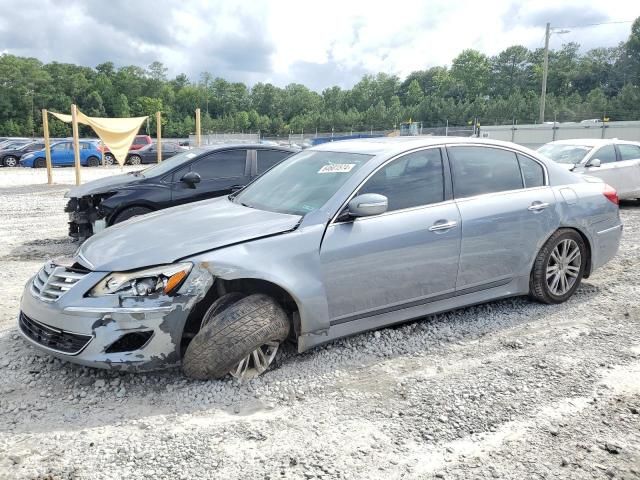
{"x":563,"y":153}
{"x":302,"y":183}
{"x":26,"y":145}
{"x":169,"y":164}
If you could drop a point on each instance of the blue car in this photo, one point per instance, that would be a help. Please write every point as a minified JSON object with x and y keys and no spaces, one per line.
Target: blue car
{"x":62,"y":155}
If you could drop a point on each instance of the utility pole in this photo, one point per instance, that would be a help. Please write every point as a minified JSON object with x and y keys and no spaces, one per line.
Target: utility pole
{"x":545,"y":71}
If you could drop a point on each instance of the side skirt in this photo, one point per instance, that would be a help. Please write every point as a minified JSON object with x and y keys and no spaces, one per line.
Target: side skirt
{"x":346,"y":326}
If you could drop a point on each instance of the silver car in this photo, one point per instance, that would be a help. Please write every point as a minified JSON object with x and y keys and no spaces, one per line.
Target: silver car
{"x":338,"y":239}
{"x":616,"y":162}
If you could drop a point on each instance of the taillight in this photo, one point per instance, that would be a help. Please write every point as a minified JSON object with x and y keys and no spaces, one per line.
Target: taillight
{"x":611,"y":194}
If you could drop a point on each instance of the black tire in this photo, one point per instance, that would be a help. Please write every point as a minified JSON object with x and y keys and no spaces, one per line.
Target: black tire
{"x":93,"y":161}
{"x":109,"y":159}
{"x":222,"y":303}
{"x":10,"y":161}
{"x":39,"y":163}
{"x":538,"y":287}
{"x":233,"y":334}
{"x":130,"y":212}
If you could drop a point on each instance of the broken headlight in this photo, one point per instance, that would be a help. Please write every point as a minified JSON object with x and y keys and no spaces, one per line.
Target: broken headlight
{"x":140,"y":283}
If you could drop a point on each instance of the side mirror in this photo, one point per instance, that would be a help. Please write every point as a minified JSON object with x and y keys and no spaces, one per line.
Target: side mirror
{"x":594,"y":163}
{"x":191,"y":178}
{"x":368,"y":204}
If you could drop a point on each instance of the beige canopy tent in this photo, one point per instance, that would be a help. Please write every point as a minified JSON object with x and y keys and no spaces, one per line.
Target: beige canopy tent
{"x":115,"y":133}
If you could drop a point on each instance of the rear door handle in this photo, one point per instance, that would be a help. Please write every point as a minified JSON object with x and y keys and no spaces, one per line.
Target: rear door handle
{"x":442,"y":225}
{"x":537,"y":206}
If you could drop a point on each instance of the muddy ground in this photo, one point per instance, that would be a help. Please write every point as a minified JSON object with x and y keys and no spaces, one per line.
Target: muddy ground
{"x":510,"y":389}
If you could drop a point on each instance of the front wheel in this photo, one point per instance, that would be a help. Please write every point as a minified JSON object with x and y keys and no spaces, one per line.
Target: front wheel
{"x":130,"y":212}
{"x":109,"y":159}
{"x":559,"y":267}
{"x":241,"y":340}
{"x":39,"y":163}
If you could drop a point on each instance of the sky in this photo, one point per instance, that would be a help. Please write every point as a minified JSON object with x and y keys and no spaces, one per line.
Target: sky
{"x":318,"y":44}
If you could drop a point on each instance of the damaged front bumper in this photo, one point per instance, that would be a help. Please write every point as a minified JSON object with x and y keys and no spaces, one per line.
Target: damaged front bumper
{"x":86,"y":216}
{"x":136,"y":333}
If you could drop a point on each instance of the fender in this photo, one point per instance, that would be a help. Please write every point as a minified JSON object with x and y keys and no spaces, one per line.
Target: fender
{"x":290,"y":260}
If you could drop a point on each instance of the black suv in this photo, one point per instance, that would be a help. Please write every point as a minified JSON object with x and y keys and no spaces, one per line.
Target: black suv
{"x":190,"y":176}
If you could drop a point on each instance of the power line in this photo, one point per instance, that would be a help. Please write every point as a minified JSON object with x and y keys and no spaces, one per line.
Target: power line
{"x":596,"y":24}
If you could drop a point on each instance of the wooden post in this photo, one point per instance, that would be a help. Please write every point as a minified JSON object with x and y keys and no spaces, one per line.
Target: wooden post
{"x":198,"y":133}
{"x":76,"y":141}
{"x":47,"y":146}
{"x":159,"y":127}
{"x":102,"y":151}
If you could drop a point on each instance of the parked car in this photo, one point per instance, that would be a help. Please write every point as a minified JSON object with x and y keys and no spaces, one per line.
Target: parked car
{"x":186,"y":177}
{"x":149,"y":153}
{"x":62,"y":155}
{"x":617,"y":162}
{"x":14,"y":143}
{"x":338,"y":239}
{"x":138,"y":142}
{"x":10,"y":157}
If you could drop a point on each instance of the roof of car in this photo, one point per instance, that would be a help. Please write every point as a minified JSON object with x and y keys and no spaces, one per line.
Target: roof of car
{"x":225,"y":146}
{"x":379,"y":145}
{"x":591,"y":142}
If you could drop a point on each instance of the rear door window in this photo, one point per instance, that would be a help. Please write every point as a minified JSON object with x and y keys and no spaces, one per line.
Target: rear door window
{"x":140,"y":141}
{"x":228,"y":164}
{"x":269,"y":158}
{"x":629,"y":152}
{"x":606,"y":154}
{"x":480,"y":170}
{"x":532,"y":172}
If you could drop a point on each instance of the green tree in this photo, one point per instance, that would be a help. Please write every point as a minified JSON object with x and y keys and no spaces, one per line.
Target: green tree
{"x":415,"y":95}
{"x":471,"y":70}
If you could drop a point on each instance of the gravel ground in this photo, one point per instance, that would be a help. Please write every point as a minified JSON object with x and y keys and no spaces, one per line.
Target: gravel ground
{"x":510,"y":389}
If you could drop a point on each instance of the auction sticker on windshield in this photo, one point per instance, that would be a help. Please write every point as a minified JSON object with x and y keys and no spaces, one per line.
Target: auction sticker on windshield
{"x":337,"y":168}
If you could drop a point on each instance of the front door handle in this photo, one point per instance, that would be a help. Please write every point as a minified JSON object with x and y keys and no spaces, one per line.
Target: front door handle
{"x":537,"y":206}
{"x":443,"y":225}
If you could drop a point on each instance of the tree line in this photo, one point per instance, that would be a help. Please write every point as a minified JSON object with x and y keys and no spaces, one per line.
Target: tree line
{"x":599,"y":83}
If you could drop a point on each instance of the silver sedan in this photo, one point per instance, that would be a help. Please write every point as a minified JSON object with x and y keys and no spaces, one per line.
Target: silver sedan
{"x":616,"y":162}
{"x":338,"y":239}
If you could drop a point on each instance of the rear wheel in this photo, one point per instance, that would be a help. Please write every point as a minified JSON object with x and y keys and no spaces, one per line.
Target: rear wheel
{"x":109,"y":159}
{"x":10,"y":161}
{"x":241,"y":340}
{"x":39,"y":163}
{"x":559,"y":267}
{"x":93,"y":161}
{"x":135,"y":160}
{"x":131,"y":212}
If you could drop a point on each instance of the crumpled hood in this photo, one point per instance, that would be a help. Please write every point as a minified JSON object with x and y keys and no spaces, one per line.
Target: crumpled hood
{"x":102,"y":185}
{"x":167,"y":235}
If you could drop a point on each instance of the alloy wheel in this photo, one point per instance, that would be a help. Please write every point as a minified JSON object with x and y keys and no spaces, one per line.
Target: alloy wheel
{"x":256,"y":362}
{"x":10,"y":161}
{"x":135,"y":160}
{"x":563,"y":267}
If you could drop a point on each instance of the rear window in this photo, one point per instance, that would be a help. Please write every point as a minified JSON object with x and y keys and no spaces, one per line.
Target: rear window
{"x":140,"y":141}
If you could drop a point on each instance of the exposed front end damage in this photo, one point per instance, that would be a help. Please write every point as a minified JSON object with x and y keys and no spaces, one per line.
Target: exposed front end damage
{"x":84,"y":212}
{"x":112,"y":332}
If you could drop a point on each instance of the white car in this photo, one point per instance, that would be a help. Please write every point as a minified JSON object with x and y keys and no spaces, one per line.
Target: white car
{"x":617,"y":162}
